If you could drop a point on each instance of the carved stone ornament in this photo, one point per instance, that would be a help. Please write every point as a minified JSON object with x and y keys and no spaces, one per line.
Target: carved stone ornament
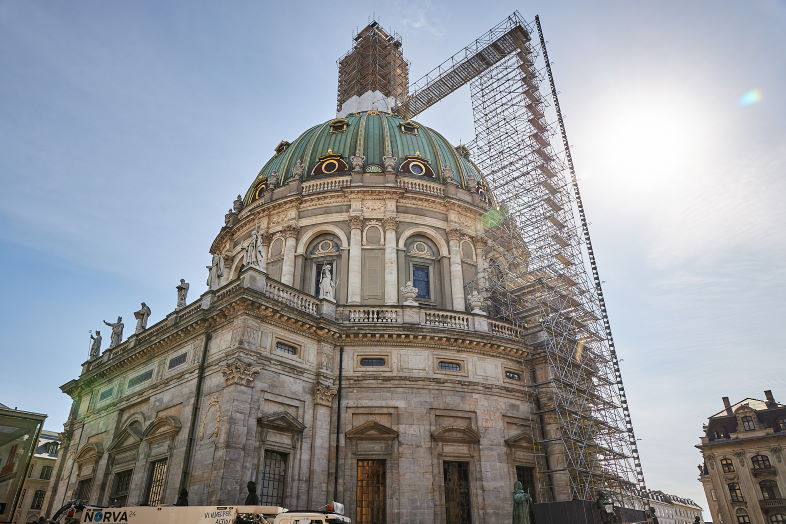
{"x":239,"y":372}
{"x":357,"y":163}
{"x":355,"y":221}
{"x":291,"y":231}
{"x":210,"y":425}
{"x":272,"y":180}
{"x":297,"y":170}
{"x":408,"y":293}
{"x":447,"y":175}
{"x":390,"y":223}
{"x":455,"y":234}
{"x":324,"y":394}
{"x":237,"y":205}
{"x":475,"y":300}
{"x":390,"y":163}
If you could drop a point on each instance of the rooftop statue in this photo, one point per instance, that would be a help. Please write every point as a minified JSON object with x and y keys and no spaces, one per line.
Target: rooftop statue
{"x":255,"y":254}
{"x":141,"y":317}
{"x":117,"y":332}
{"x":182,"y":293}
{"x":215,"y":272}
{"x":95,"y":346}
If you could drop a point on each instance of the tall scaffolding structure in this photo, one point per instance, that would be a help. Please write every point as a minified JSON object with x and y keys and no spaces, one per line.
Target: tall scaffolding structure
{"x":542,"y":274}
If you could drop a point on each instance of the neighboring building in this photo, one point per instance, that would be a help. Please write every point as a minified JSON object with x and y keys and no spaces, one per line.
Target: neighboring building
{"x":39,"y":477}
{"x":334,"y":354}
{"x":19,"y":431}
{"x":743,"y":473}
{"x":671,"y":509}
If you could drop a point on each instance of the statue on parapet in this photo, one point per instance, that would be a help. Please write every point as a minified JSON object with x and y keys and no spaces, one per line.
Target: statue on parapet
{"x":141,"y":317}
{"x":182,"y":293}
{"x":522,"y":505}
{"x":215,"y":272}
{"x":117,"y":332}
{"x":255,"y":254}
{"x":95,"y":345}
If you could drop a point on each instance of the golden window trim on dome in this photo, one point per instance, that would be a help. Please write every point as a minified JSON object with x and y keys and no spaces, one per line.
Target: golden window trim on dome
{"x":409,"y":127}
{"x":338,"y":125}
{"x":416,"y":165}
{"x":330,"y":164}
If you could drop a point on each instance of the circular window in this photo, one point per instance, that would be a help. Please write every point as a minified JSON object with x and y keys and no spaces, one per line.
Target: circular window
{"x":330,"y":166}
{"x":416,"y":168}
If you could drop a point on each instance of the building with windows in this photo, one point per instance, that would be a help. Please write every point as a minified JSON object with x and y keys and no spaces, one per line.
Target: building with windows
{"x":671,"y":509}
{"x":39,"y":477}
{"x":743,"y":473}
{"x":19,"y":443}
{"x":342,"y":349}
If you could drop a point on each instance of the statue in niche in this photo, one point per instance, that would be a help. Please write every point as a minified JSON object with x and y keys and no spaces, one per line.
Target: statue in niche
{"x":141,"y":317}
{"x":327,"y":288}
{"x":251,"y":499}
{"x":254,"y":252}
{"x":215,"y":272}
{"x":297,"y":170}
{"x":522,"y":504}
{"x":182,"y":293}
{"x":117,"y":332}
{"x":390,"y":163}
{"x":95,"y":346}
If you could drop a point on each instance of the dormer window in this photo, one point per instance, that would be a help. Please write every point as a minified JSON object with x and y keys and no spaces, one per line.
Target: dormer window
{"x":339,"y":125}
{"x":747,"y":423}
{"x":281,"y":147}
{"x":409,"y":127}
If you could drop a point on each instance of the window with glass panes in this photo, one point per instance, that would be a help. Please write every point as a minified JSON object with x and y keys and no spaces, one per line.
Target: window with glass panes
{"x":120,"y":485}
{"x":458,"y":509}
{"x":747,"y":423}
{"x":769,"y":490}
{"x":46,"y":473}
{"x":422,"y":281}
{"x":760,"y":461}
{"x":727,"y":465}
{"x":82,"y":491}
{"x":38,"y":499}
{"x":735,"y":492}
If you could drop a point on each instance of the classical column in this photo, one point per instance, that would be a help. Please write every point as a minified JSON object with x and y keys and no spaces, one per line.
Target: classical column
{"x":391,"y":260}
{"x":456,"y":274}
{"x":288,"y":267}
{"x":480,"y":264}
{"x":355,"y":259}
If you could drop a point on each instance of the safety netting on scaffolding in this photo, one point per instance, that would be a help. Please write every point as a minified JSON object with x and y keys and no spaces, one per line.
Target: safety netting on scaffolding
{"x":542,"y":274}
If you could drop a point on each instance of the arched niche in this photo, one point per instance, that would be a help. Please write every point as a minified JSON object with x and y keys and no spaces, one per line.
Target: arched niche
{"x":324,"y":250}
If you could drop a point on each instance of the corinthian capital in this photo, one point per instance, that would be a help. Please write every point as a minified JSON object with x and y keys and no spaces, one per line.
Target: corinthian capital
{"x":455,"y":234}
{"x":239,"y":372}
{"x":355,"y":221}
{"x":291,"y":230}
{"x":324,"y":394}
{"x":390,"y":223}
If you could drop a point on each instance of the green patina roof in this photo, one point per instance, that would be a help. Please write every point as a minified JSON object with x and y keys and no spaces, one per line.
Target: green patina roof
{"x":372,"y":135}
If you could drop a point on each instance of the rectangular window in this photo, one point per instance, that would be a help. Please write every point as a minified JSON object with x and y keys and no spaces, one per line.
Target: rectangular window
{"x":107,"y":393}
{"x":155,"y":482}
{"x":176,"y":361}
{"x":370,"y":492}
{"x":526,"y":476}
{"x":373,"y":362}
{"x":120,"y":485}
{"x":46,"y":473}
{"x":38,"y":499}
{"x":142,"y":377}
{"x":274,"y":474}
{"x":458,"y":509}
{"x":512,"y":375}
{"x":287,"y":349}
{"x":83,"y":490}
{"x":449,"y":365}
{"x":421,"y":280}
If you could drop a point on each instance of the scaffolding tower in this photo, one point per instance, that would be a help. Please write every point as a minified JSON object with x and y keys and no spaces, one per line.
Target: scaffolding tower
{"x":542,"y":274}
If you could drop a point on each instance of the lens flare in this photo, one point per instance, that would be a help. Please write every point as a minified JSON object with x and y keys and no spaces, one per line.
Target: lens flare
{"x":492,"y":217}
{"x":750,"y":97}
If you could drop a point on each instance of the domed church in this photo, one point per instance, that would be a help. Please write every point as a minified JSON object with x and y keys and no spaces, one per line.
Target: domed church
{"x":342,"y":349}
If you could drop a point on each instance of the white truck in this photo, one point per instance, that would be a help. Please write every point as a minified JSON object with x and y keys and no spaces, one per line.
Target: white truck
{"x":330,"y":514}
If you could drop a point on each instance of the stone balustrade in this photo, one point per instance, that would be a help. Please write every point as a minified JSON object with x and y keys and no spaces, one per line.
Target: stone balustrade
{"x":372,"y":315}
{"x":292,"y":297}
{"x":326,"y":184}
{"x":412,"y":184}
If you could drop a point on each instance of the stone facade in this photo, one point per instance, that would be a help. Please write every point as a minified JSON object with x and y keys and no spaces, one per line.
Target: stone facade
{"x":743,"y":473}
{"x":671,"y":509}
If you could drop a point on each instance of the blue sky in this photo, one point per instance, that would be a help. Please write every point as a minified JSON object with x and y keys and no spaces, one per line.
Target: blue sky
{"x":127,"y":128}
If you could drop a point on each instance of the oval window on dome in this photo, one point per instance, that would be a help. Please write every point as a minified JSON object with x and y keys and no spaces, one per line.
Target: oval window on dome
{"x":417,"y":168}
{"x":330,"y":166}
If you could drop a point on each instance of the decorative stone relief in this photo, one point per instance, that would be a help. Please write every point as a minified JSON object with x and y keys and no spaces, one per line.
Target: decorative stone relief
{"x":210,"y":425}
{"x":357,"y":163}
{"x":408,"y":293}
{"x":740,"y":456}
{"x":373,"y":207}
{"x":324,"y":394}
{"x":239,"y":372}
{"x":390,"y":163}
{"x":355,"y":221}
{"x":291,"y":231}
{"x":778,"y":452}
{"x":455,"y":234}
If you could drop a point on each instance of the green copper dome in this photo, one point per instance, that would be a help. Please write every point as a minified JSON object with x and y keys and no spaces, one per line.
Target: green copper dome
{"x":373,"y":135}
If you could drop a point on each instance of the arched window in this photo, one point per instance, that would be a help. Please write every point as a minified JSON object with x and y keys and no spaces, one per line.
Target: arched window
{"x":727,"y":465}
{"x":747,"y":423}
{"x":778,"y":518}
{"x":735,"y":492}
{"x":769,"y":489}
{"x":422,"y":267}
{"x":323,"y":256}
{"x":760,"y":461}
{"x":742,"y":517}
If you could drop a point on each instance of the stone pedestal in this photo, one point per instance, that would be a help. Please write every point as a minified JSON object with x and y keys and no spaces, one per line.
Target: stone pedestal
{"x":253,"y":278}
{"x":327,"y":309}
{"x":411,"y":314}
{"x":208,"y":299}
